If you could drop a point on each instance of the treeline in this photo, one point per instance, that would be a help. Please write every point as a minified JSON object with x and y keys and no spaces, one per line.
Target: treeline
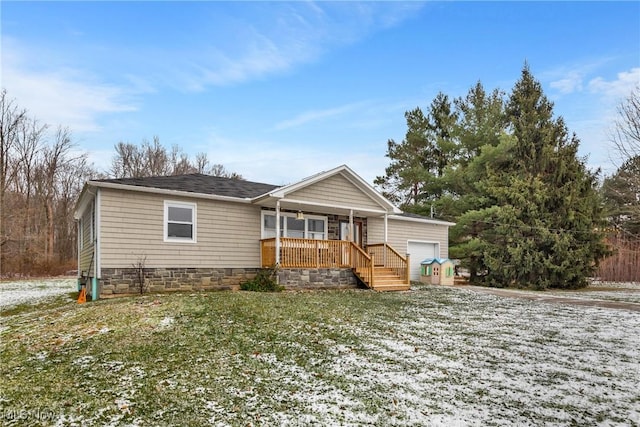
{"x":528,"y":211}
{"x":624,"y":263}
{"x":153,"y":159}
{"x":621,"y":195}
{"x":41,"y":175}
{"x":42,"y":172}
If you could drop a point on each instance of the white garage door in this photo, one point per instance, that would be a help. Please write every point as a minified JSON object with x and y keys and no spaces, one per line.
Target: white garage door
{"x":419,"y":251}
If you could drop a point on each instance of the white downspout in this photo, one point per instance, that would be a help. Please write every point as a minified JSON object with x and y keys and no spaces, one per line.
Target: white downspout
{"x":96,"y":248}
{"x":78,"y":249}
{"x":96,"y":236}
{"x":278,"y":232}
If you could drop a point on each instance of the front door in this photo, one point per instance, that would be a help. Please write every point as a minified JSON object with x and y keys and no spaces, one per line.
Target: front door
{"x":357,"y":232}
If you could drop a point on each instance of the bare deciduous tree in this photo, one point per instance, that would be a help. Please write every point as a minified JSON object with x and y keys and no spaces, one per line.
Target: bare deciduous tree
{"x":220,"y":170}
{"x":41,"y":176}
{"x":153,"y":159}
{"x":626,"y":132}
{"x":201,"y":163}
{"x":55,"y":158}
{"x":11,"y":118}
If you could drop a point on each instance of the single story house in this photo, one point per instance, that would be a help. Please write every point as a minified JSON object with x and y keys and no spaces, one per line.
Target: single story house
{"x":196,"y":231}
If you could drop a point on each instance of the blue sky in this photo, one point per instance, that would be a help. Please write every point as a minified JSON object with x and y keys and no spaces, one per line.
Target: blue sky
{"x":279,"y":91}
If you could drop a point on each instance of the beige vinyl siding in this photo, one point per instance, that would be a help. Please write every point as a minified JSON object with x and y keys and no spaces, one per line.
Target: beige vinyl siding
{"x":132,"y":226}
{"x":86,"y":253}
{"x":400,"y":231}
{"x":335,"y":190}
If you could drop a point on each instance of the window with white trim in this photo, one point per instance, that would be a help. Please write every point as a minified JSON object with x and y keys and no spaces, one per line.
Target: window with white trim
{"x":311,"y":227}
{"x":179,"y":222}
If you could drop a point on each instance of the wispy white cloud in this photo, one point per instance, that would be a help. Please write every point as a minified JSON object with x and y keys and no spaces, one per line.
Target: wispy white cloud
{"x":292,"y":35}
{"x":232,"y":49}
{"x":589,"y":101}
{"x":584,"y":77}
{"x":570,"y":78}
{"x":620,"y":87}
{"x":368,"y":114}
{"x":63,"y":96}
{"x":316,"y":115}
{"x":572,"y":82}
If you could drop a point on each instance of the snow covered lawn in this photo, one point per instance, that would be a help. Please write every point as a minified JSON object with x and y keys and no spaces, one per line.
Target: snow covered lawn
{"x":34,"y":291}
{"x":434,"y":356}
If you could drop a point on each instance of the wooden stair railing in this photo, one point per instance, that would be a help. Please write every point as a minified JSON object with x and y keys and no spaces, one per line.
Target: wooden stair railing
{"x":380,"y":267}
{"x":362,"y":264}
{"x":384,"y":255}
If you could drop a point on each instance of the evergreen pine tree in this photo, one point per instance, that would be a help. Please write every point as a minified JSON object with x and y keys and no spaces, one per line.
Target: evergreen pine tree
{"x":621,"y":193}
{"x":543,"y":230}
{"x":420,"y":159}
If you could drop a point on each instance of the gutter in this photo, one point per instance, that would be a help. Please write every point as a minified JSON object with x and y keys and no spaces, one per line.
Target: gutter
{"x":422,"y":220}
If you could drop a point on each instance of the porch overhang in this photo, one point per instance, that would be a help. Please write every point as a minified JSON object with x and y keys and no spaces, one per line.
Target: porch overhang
{"x":288,"y":197}
{"x":321,"y":208}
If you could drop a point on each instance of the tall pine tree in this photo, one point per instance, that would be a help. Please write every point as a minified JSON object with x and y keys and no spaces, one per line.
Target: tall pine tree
{"x":508,"y":173}
{"x":542,"y":230}
{"x":422,"y":156}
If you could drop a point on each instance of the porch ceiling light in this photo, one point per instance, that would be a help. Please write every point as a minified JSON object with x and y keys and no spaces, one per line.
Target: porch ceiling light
{"x":300,"y":215}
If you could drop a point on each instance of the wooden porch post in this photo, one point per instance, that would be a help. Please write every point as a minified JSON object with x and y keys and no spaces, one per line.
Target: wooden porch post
{"x":278,"y":232}
{"x":351,"y":239}
{"x":408,"y":269}
{"x":386,"y":236}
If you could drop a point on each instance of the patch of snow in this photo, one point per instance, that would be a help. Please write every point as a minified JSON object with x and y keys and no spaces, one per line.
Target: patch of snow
{"x":83,"y":361}
{"x":619,"y":285}
{"x":34,"y":291}
{"x":41,"y":356}
{"x":167,"y":322}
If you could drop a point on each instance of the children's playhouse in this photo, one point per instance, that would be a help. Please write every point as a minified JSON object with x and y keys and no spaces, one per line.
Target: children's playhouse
{"x":437,"y":271}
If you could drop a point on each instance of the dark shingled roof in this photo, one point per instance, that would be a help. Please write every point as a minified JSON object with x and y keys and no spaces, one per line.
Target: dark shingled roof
{"x":412,"y":215}
{"x":199,"y":183}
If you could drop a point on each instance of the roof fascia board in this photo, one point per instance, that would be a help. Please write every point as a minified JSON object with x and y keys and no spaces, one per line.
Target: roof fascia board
{"x":83,"y":201}
{"x":179,"y":193}
{"x":422,"y":220}
{"x":364,"y":186}
{"x":328,"y":205}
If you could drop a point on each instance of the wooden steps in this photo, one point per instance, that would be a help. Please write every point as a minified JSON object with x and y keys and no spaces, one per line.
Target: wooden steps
{"x":385,"y":279}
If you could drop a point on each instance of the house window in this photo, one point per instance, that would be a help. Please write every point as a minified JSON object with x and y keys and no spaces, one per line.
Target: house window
{"x":316,"y":229}
{"x":269,"y":226}
{"x":179,"y":222}
{"x":311,"y":227}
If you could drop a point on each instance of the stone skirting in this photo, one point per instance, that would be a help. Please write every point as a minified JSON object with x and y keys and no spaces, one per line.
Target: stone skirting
{"x":116,"y":281}
{"x":125,"y":280}
{"x":317,"y":278}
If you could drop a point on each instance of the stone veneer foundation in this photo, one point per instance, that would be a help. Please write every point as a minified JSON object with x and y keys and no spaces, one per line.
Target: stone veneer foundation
{"x":317,"y":278}
{"x":124,"y":280}
{"x":116,"y":281}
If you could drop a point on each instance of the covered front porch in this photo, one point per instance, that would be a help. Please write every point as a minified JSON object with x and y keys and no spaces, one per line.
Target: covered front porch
{"x":321,"y":223}
{"x":378,"y":266}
